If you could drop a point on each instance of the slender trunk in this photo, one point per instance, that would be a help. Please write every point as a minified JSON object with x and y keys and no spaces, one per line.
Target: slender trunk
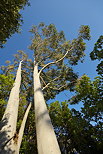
{"x":46,"y":138}
{"x":9,"y":120}
{"x":21,"y":131}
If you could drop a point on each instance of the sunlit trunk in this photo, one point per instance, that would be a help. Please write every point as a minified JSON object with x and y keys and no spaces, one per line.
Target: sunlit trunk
{"x":46,"y":138}
{"x":21,"y":131}
{"x":9,"y":120}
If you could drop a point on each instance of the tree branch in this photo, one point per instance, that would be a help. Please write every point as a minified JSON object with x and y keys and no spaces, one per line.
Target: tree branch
{"x":57,"y":88}
{"x":21,"y":131}
{"x":43,"y":80}
{"x":45,"y":58}
{"x":53,"y":62}
{"x":60,"y":87}
{"x":50,"y":82}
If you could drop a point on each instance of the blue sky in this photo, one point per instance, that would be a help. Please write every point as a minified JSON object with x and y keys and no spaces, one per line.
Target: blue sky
{"x":67,"y":15}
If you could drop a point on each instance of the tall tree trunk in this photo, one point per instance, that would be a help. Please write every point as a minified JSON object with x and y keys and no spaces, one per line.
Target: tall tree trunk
{"x":46,"y":138}
{"x":21,"y":131}
{"x":9,"y":120}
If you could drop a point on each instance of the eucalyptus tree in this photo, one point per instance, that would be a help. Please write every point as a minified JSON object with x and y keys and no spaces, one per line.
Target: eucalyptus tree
{"x":51,"y":50}
{"x":9,"y":119}
{"x":54,"y":57}
{"x":26,"y":95}
{"x":10,"y":140}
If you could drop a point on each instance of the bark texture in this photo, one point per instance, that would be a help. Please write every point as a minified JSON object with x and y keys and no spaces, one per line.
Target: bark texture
{"x":9,"y":120}
{"x":46,"y":138}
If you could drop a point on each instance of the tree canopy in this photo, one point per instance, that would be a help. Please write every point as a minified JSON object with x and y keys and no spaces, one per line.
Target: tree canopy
{"x":90,"y":93}
{"x":10,"y":18}
{"x":76,"y":131}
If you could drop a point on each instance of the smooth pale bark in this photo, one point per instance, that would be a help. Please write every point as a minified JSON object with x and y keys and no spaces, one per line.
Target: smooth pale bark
{"x":9,"y":120}
{"x":46,"y":138}
{"x":21,"y":131}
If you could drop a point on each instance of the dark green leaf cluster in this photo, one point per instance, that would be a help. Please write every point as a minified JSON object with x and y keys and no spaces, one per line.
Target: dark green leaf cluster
{"x":29,"y":143}
{"x":97,"y":52}
{"x":90,"y":93}
{"x":74,"y":133}
{"x":60,"y":79}
{"x":6,"y":83}
{"x":10,"y":18}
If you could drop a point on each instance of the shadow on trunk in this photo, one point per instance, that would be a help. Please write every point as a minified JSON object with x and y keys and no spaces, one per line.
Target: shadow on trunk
{"x":44,"y":113}
{"x":4,"y":137}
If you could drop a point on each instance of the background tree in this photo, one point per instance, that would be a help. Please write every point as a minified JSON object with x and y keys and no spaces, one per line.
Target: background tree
{"x":10,"y":18}
{"x":97,"y":54}
{"x":6,"y":83}
{"x":74,"y":132}
{"x":90,"y":94}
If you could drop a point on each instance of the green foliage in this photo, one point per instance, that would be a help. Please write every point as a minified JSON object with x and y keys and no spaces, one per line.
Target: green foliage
{"x":84,"y":32}
{"x":49,"y":44}
{"x":74,"y":133}
{"x":27,"y":72}
{"x":10,"y":18}
{"x":2,"y":107}
{"x":90,"y":93}
{"x":6,"y":83}
{"x":29,"y":143}
{"x":97,"y":52}
{"x":22,"y":108}
{"x":83,"y":85}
